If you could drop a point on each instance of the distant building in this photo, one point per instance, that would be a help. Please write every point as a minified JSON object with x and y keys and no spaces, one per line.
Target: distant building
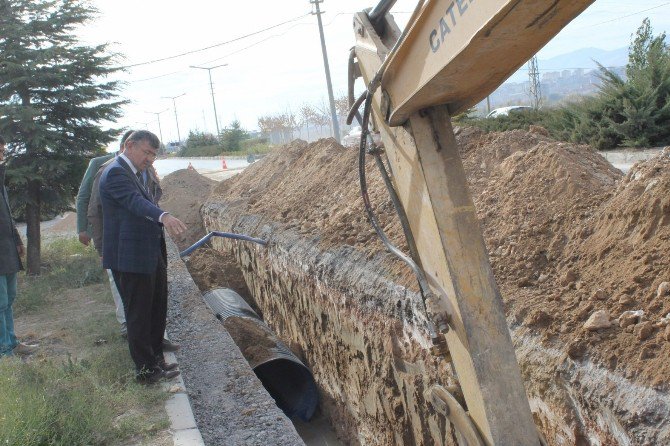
{"x":173,"y":147}
{"x":556,"y":86}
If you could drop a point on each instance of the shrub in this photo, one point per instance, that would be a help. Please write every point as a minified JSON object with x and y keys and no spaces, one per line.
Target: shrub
{"x":631,"y":112}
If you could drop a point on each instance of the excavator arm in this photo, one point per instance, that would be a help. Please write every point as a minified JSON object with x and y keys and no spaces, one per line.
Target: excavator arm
{"x":452,"y":54}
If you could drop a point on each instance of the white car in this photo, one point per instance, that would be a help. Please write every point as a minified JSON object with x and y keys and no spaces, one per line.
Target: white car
{"x":505,"y":111}
{"x":352,"y":138}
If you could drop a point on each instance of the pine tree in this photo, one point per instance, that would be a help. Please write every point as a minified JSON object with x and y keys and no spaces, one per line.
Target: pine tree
{"x":232,"y":137}
{"x":53,"y":97}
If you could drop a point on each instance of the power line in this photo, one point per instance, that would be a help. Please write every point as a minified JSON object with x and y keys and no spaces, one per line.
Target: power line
{"x":625,"y":16}
{"x":215,"y":45}
{"x":245,"y":48}
{"x":222,"y":57}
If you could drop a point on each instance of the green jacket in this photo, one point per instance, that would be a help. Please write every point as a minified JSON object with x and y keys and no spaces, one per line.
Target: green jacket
{"x":84,"y":194}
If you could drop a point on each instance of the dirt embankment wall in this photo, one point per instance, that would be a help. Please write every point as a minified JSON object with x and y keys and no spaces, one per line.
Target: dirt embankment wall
{"x":567,"y":235}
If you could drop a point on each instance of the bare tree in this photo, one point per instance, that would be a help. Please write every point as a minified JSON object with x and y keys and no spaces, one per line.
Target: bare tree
{"x":307,"y":113}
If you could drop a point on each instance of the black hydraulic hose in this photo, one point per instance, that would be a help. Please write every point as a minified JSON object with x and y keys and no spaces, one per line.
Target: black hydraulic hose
{"x":230,"y":235}
{"x":421,"y":278}
{"x":377,"y":14}
{"x":404,"y":221}
{"x":353,"y":110}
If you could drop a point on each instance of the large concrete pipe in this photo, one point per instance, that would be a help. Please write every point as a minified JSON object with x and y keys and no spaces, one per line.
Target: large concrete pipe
{"x":284,"y":376}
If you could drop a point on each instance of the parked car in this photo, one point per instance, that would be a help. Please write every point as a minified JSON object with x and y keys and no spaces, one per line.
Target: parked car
{"x":505,"y":111}
{"x":353,"y":138}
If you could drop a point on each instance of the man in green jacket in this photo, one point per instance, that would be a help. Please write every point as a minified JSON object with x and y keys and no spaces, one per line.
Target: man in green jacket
{"x":84,"y":228}
{"x":84,"y":194}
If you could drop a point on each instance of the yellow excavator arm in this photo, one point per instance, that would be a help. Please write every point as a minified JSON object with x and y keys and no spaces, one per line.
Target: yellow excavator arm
{"x":452,"y":54}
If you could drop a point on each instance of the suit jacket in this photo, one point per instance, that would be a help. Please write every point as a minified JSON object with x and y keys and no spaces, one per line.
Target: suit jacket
{"x":132,"y":239}
{"x":94,"y":213}
{"x":85,"y":188}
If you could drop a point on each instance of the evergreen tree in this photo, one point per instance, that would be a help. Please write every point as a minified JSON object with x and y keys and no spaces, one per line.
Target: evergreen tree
{"x":634,"y":111}
{"x":231,"y":138}
{"x":53,"y":98}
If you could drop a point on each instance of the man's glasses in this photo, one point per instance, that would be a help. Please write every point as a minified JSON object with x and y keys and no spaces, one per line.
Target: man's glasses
{"x":150,"y":155}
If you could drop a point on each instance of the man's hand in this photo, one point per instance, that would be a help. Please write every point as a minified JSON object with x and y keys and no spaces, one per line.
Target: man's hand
{"x":21,"y":250}
{"x":173,"y":225}
{"x":84,"y":238}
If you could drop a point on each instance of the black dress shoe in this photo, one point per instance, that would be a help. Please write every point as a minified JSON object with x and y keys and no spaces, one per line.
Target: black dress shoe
{"x":156,"y":376}
{"x":171,"y":374}
{"x":170,"y":346}
{"x":167,"y":366}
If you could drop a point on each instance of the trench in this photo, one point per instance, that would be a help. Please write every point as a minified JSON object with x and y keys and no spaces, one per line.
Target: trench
{"x":288,"y":381}
{"x":361,"y":336}
{"x":347,"y":313}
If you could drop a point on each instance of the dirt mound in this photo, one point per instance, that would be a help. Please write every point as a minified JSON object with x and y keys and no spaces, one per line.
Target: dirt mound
{"x":255,"y":341}
{"x":619,"y":265}
{"x":211,"y":269}
{"x":567,"y":234}
{"x":314,"y":190}
{"x":184,"y":191}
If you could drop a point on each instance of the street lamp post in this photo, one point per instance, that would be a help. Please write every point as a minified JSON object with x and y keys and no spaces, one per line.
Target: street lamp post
{"x":176,"y":120}
{"x":211,"y":86}
{"x":158,"y":117}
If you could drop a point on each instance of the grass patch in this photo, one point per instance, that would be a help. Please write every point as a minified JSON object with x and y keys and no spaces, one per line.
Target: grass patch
{"x":66,"y":263}
{"x":79,"y":389}
{"x":70,"y":403}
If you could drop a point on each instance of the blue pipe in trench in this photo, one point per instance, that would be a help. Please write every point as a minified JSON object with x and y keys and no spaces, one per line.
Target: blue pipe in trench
{"x":230,"y":235}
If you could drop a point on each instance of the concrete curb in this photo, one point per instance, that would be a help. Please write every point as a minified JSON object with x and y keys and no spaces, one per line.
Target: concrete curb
{"x":185,"y":432}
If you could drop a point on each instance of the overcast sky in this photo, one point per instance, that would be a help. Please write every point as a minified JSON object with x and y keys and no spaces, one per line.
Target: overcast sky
{"x":282,"y":68}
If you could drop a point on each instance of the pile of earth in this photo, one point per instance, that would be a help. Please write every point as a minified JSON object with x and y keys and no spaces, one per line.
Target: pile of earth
{"x":184,"y":191}
{"x":568,"y":235}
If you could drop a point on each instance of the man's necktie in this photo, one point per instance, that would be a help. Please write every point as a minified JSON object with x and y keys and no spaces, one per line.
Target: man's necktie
{"x":140,"y":178}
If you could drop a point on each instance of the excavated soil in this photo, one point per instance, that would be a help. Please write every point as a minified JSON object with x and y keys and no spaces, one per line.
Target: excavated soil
{"x":253,"y":340}
{"x":567,"y":234}
{"x":212,"y":269}
{"x":183,"y":193}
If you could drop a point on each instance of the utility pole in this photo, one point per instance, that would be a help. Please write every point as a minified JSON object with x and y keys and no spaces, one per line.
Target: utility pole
{"x":336,"y":124}
{"x":158,"y":117}
{"x":174,"y":104}
{"x":535,"y":91}
{"x":211,"y":86}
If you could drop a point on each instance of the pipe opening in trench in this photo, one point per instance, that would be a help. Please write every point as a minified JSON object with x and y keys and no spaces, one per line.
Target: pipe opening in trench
{"x":283,"y":375}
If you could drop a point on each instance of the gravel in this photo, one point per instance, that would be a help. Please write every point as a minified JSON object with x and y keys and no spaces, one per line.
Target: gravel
{"x":230,"y":404}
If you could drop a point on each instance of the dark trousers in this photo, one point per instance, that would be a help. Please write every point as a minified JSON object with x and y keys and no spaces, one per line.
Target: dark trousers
{"x":144,"y":299}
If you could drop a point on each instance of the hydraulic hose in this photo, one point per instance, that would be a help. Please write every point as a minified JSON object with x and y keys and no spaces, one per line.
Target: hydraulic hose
{"x":418,"y":271}
{"x":230,"y":235}
{"x":378,"y":13}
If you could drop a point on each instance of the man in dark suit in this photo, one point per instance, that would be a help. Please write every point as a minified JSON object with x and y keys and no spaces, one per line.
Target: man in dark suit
{"x":134,"y":249}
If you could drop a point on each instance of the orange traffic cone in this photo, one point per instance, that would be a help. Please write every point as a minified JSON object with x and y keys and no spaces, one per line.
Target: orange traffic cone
{"x":224,"y":166}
